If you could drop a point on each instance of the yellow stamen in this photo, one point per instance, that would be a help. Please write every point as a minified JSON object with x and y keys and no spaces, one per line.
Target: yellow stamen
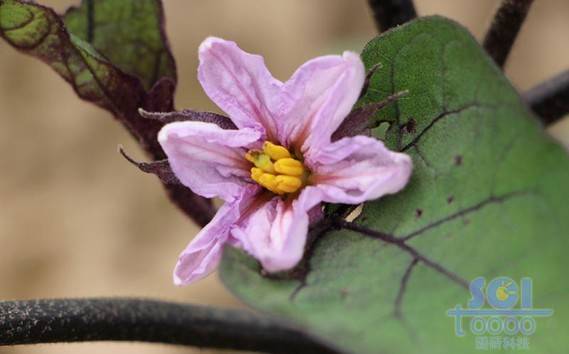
{"x":288,"y":184}
{"x":275,"y":152}
{"x":256,"y":173}
{"x":268,"y":181}
{"x":276,"y":169}
{"x":289,"y":166}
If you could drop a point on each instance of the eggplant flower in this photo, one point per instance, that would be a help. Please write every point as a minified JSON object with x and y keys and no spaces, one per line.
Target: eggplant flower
{"x":274,"y":171}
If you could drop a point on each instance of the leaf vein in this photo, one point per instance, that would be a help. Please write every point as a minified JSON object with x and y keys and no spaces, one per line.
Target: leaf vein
{"x":405,"y":247}
{"x":490,"y":200}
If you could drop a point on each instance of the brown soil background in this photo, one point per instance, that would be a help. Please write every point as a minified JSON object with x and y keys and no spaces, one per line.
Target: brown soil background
{"x":77,"y":220}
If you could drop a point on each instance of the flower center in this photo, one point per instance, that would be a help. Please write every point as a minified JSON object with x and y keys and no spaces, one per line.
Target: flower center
{"x":276,"y":169}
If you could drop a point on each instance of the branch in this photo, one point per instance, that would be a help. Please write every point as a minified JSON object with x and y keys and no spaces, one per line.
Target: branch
{"x":504,"y":29}
{"x":550,"y":99}
{"x":391,"y":13}
{"x":81,"y":320}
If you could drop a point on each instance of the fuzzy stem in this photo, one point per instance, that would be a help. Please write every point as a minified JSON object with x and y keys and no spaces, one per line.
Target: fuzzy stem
{"x":121,"y":319}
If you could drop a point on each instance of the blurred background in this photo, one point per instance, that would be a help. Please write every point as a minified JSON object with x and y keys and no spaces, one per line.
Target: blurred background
{"x":76,"y":220}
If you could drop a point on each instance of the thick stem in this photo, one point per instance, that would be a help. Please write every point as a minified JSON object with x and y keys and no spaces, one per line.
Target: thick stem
{"x":504,"y":29}
{"x":80,"y":320}
{"x":550,"y":99}
{"x":391,"y":13}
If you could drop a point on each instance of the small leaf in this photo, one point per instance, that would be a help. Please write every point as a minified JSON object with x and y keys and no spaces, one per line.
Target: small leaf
{"x":488,"y":197}
{"x":38,"y":31}
{"x":115,"y":56}
{"x":129,"y":33}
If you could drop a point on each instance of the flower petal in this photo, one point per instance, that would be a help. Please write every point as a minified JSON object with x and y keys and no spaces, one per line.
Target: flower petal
{"x":239,"y":83}
{"x":353,"y":170}
{"x":208,"y":159}
{"x":321,"y":93}
{"x":275,"y":234}
{"x":202,"y":255}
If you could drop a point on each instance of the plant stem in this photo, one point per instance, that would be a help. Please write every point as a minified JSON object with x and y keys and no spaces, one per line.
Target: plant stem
{"x":123,"y":319}
{"x":550,"y":99}
{"x":506,"y":24}
{"x":391,"y":13}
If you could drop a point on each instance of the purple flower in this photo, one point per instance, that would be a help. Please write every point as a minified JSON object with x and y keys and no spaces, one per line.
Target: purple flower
{"x":280,"y":164}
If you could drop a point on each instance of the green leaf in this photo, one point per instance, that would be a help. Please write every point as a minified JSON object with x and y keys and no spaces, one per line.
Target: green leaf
{"x":129,"y":33}
{"x":488,"y":197}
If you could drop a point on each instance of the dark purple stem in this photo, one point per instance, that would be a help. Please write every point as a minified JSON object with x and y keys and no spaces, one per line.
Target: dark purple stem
{"x":116,"y":319}
{"x":504,"y":29}
{"x":391,"y":13}
{"x":550,"y":99}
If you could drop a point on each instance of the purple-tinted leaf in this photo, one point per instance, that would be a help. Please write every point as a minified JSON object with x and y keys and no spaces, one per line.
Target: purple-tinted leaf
{"x":136,"y":82}
{"x":38,"y":31}
{"x":160,"y":168}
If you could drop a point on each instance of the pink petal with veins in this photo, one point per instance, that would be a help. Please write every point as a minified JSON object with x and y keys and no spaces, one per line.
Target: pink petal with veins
{"x":207,"y":159}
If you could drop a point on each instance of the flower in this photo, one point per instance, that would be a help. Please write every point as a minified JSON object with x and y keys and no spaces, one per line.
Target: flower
{"x":280,"y":164}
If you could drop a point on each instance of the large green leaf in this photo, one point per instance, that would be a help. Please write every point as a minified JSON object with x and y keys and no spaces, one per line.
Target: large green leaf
{"x":488,"y":197}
